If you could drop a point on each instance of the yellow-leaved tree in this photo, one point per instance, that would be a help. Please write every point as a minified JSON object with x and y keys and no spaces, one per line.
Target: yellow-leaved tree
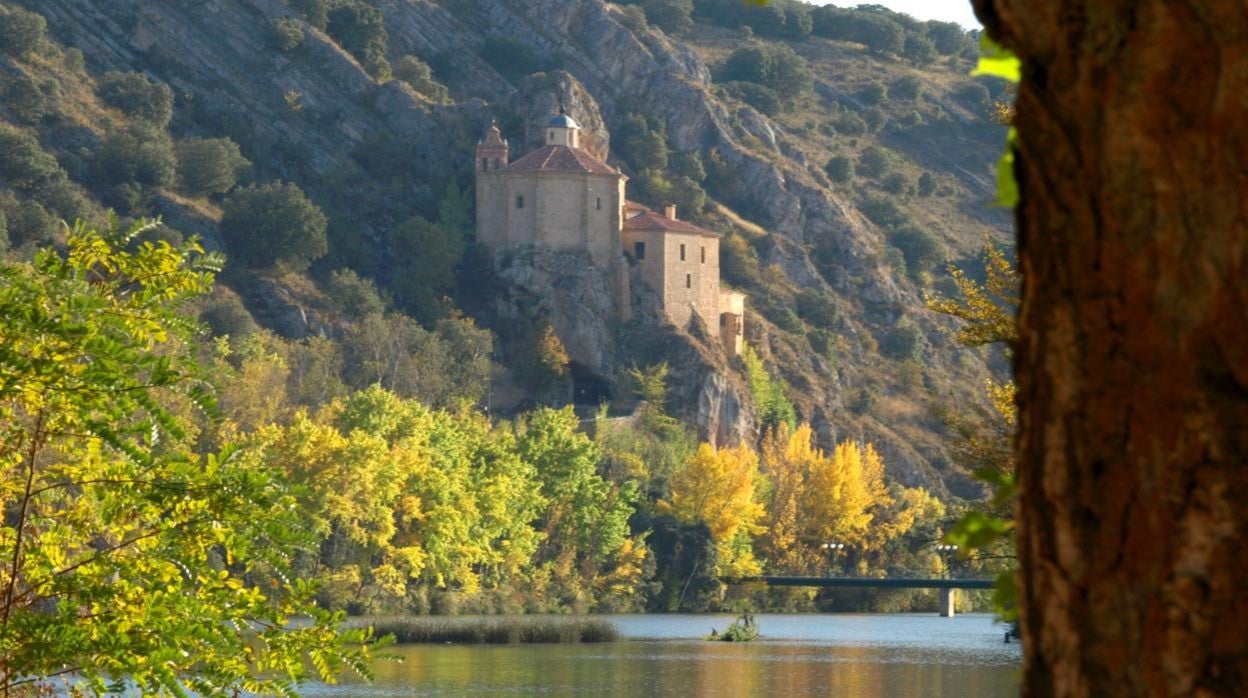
{"x":720,"y":488}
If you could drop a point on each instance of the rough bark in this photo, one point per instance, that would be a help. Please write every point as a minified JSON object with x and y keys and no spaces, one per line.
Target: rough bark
{"x":1132,"y":363}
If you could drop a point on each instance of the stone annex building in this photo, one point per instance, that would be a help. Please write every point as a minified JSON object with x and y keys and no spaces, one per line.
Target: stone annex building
{"x":563,"y":196}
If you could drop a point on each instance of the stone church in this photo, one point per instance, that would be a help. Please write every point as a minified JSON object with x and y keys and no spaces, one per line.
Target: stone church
{"x":562,"y":196}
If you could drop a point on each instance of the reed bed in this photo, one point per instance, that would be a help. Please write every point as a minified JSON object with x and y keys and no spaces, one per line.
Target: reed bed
{"x":490,"y":630}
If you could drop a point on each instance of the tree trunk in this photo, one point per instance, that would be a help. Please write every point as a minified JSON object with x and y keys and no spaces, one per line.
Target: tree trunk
{"x":1132,"y":362}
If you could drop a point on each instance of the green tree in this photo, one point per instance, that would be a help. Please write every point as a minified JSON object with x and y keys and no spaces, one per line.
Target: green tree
{"x":360,"y":28}
{"x":776,"y":67}
{"x":138,"y":97}
{"x":429,"y":255}
{"x":674,"y":17}
{"x":771,"y":399}
{"x":25,"y":101}
{"x":209,"y":165}
{"x":138,"y":154}
{"x":273,"y":223}
{"x":128,"y":557}
{"x":840,"y":169}
{"x":419,"y":76}
{"x":20,"y":30}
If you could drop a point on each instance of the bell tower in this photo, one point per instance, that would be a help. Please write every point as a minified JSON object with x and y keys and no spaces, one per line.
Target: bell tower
{"x":492,"y":150}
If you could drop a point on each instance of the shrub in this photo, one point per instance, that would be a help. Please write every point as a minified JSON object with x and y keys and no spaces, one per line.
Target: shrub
{"x":360,"y":28}
{"x":777,"y":67}
{"x":817,"y":307}
{"x":634,"y":19}
{"x":209,"y":165}
{"x":688,"y":195}
{"x":316,"y":12}
{"x":689,"y":164}
{"x":878,"y":33}
{"x":23,"y":162}
{"x":27,"y":222}
{"x":139,"y":154}
{"x":920,"y":248}
{"x":849,"y":123}
{"x":873,"y":93}
{"x":927,"y":184}
{"x":137,"y":97}
{"x":972,"y":95}
{"x":874,"y":118}
{"x":919,"y":49}
{"x":798,"y":21}
{"x":672,"y":16}
{"x":902,"y":342}
{"x":419,"y":76}
{"x":273,"y":223}
{"x":840,"y":169}
{"x":354,"y":295}
{"x":20,"y":30}
{"x":224,"y":314}
{"x":287,"y":34}
{"x":908,"y":87}
{"x":739,"y":264}
{"x":949,"y":38}
{"x":883,"y":212}
{"x":761,"y":97}
{"x":25,"y":101}
{"x":876,"y":161}
{"x":895,"y":183}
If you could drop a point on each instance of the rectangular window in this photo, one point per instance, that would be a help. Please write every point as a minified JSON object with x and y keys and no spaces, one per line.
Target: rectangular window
{"x":704,"y":254}
{"x":485,"y":164}
{"x":639,"y":250}
{"x":688,"y":280}
{"x":682,"y":253}
{"x":519,"y":202}
{"x":600,"y":203}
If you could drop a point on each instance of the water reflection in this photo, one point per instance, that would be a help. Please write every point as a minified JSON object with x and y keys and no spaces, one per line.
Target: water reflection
{"x":808,"y":655}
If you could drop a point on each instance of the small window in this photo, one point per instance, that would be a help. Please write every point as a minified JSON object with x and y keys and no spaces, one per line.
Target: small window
{"x":496,"y":163}
{"x":519,"y":202}
{"x":682,"y":253}
{"x":600,"y":203}
{"x":704,"y":254}
{"x":550,"y":136}
{"x":485,"y":164}
{"x":723,"y":320}
{"x":688,"y":280}
{"x":639,"y":250}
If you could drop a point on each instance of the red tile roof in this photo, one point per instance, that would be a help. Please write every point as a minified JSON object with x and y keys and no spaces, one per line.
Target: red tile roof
{"x":560,"y":158}
{"x":657,"y":221}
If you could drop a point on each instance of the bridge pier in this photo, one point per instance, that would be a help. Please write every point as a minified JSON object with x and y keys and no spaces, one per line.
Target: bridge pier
{"x":947,"y":597}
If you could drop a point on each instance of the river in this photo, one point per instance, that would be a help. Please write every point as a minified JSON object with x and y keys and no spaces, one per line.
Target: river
{"x":663,"y":655}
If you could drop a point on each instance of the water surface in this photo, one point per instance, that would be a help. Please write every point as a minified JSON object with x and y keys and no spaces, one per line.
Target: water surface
{"x":797,"y":655}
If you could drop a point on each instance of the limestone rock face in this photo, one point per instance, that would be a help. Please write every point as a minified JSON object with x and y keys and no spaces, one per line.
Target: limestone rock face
{"x":538,"y":96}
{"x":566,"y":289}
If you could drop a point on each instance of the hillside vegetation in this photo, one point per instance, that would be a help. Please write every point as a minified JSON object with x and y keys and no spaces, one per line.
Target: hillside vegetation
{"x":324,"y":147}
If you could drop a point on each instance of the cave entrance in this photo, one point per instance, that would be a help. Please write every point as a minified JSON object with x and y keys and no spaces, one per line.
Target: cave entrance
{"x":588,"y":388}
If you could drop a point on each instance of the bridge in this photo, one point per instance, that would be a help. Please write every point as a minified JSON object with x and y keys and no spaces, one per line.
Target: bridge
{"x":946,"y":585}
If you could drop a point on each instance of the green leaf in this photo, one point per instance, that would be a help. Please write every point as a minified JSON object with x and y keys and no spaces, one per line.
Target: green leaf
{"x":997,"y":61}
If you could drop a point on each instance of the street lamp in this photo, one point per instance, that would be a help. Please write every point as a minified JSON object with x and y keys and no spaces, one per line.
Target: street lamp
{"x":944,"y":549}
{"x":832,"y":550}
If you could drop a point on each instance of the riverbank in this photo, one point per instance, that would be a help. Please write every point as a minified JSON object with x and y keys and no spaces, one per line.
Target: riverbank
{"x":490,"y":630}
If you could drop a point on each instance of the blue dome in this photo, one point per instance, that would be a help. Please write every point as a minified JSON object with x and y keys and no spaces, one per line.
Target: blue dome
{"x":563,"y":121}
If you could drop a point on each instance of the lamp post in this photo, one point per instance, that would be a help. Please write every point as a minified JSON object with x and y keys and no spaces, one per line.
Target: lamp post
{"x":832,"y":550}
{"x":944,"y":550}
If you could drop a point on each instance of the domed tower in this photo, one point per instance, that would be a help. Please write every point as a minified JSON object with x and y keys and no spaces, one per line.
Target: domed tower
{"x":563,"y":130}
{"x":492,"y":150}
